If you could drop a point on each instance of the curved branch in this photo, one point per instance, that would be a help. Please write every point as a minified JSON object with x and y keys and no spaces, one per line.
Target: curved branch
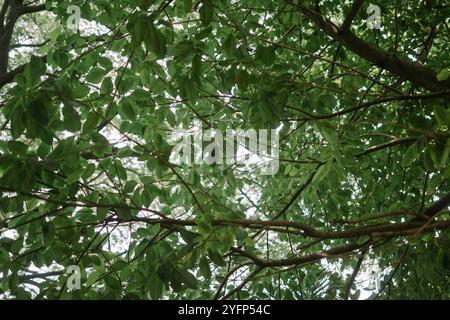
{"x":314,"y":257}
{"x":354,"y":274}
{"x":32,"y":9}
{"x":9,"y":76}
{"x":351,"y":15}
{"x":415,"y":72}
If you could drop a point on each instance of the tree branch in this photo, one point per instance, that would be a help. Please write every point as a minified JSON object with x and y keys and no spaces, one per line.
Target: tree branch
{"x":3,"y":11}
{"x":29,"y":45}
{"x":377,"y":230}
{"x":9,"y":14}
{"x":351,"y":14}
{"x":317,"y":256}
{"x":387,"y":145}
{"x":415,"y":72}
{"x":434,"y":209}
{"x":9,"y":76}
{"x":244,"y":282}
{"x":32,"y":9}
{"x":354,"y":274}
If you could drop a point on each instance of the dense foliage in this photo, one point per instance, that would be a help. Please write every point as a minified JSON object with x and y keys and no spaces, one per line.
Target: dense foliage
{"x":358,"y":208}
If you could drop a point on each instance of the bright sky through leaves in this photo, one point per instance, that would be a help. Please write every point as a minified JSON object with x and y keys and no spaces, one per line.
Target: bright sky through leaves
{"x":88,"y":112}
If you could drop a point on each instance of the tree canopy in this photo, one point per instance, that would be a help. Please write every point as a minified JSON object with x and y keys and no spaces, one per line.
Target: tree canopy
{"x":359,"y":207}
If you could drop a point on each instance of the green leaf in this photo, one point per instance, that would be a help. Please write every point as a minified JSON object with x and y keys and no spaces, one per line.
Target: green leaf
{"x":190,"y":90}
{"x":330,"y":136}
{"x":196,"y":67}
{"x":105,"y":62}
{"x":266,"y":54}
{"x":321,"y":173}
{"x":216,"y":258}
{"x":145,"y":4}
{"x":91,"y":123}
{"x":72,"y":121}
{"x":95,"y":75}
{"x":119,"y":265}
{"x":187,"y":278}
{"x":17,"y":147}
{"x":327,"y":101}
{"x":124,"y":213}
{"x":86,"y":215}
{"x":445,"y":153}
{"x":113,"y":282}
{"x":154,"y":39}
{"x":442,"y":115}
{"x":410,"y":155}
{"x":101,"y":144}
{"x":94,"y":276}
{"x":204,"y":269}
{"x":206,"y":14}
{"x":33,"y":71}
{"x":127,"y":110}
{"x":229,"y":46}
{"x":17,"y":123}
{"x":363,"y":239}
{"x":107,"y":86}
{"x":443,"y":75}
{"x":38,"y":111}
{"x":155,"y":286}
{"x":187,"y":5}
{"x":129,"y":186}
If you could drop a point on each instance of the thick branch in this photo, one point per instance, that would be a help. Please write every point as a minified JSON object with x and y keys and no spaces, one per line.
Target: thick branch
{"x":375,"y":231}
{"x":351,"y":14}
{"x":41,"y":275}
{"x":338,"y":251}
{"x":354,"y":274}
{"x":378,"y":230}
{"x":3,"y":11}
{"x":32,"y":9}
{"x":387,"y":145}
{"x":9,"y":14}
{"x":29,"y":45}
{"x":9,"y":76}
{"x":243,"y":283}
{"x":434,"y":209}
{"x":415,"y":72}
